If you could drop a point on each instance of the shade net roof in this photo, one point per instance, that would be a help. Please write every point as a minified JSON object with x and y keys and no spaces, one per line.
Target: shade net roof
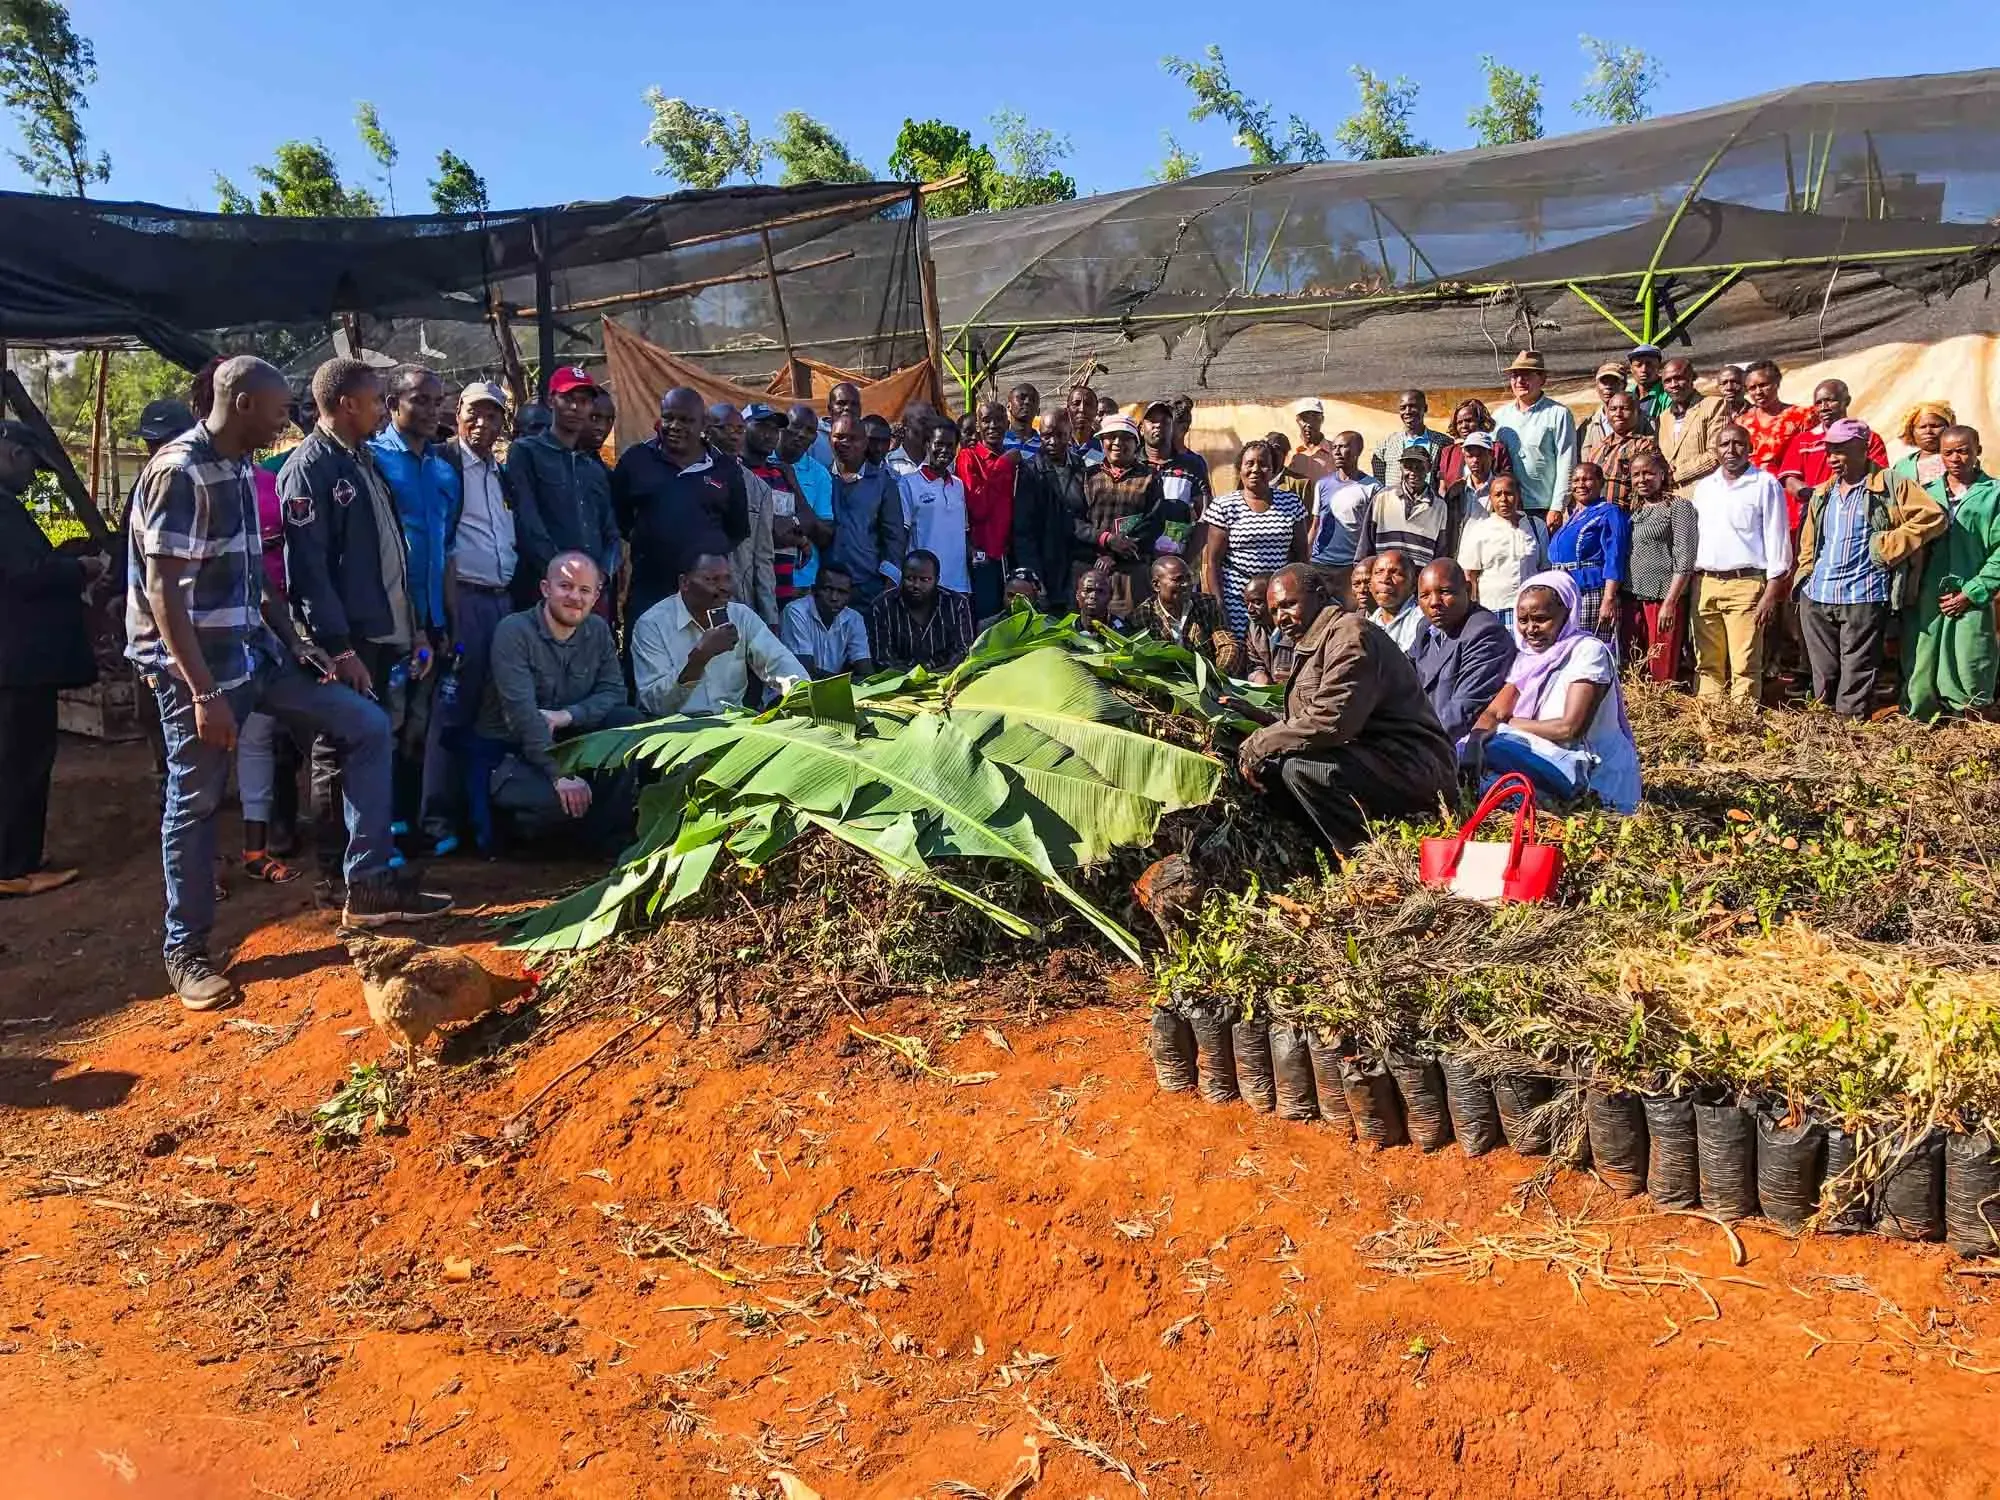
{"x":1897,"y":176}
{"x":74,"y":271}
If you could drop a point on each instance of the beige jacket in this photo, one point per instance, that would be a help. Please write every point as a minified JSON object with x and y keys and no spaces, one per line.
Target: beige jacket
{"x":1688,"y":442}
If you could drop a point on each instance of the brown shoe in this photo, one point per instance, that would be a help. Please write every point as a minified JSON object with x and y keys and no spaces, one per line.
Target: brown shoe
{"x":36,"y":882}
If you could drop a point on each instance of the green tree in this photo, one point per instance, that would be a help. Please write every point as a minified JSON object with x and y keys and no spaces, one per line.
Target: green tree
{"x":45,"y":67}
{"x":136,"y":377}
{"x":701,"y":147}
{"x":302,"y":182}
{"x":1380,"y":129}
{"x":1027,"y":156}
{"x":1178,"y":163}
{"x":1216,"y":96}
{"x":1513,"y":108}
{"x":457,"y":189}
{"x":930,"y":151}
{"x":808,"y":151}
{"x":1620,"y":83}
{"x":380,"y":146}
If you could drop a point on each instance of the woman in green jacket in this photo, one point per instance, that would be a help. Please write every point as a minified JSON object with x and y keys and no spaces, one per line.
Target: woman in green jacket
{"x":1952,"y":662}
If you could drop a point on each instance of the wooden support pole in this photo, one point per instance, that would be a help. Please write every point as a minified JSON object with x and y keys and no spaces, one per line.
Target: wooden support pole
{"x":795,"y":372}
{"x":927,"y":276}
{"x":510,"y":352}
{"x":545,"y":305}
{"x":97,"y":424}
{"x":25,"y":410}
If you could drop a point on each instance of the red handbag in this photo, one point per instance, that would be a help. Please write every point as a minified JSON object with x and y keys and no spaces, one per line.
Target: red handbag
{"x":1522,"y":869}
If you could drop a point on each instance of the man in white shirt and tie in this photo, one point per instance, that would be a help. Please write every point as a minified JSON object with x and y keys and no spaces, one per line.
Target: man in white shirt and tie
{"x":1742,"y":561}
{"x":693,"y":652}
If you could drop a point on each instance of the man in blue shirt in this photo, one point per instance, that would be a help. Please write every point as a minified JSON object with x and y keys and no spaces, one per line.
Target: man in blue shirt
{"x":815,"y":490}
{"x":427,"y":491}
{"x":1024,"y":404}
{"x":1862,"y":529}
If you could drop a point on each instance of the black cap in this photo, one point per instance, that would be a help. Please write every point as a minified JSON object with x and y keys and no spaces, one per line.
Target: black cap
{"x":164,"y":419}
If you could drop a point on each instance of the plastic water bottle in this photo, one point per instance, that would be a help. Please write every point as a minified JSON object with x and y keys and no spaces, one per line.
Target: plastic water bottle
{"x":448,"y":685}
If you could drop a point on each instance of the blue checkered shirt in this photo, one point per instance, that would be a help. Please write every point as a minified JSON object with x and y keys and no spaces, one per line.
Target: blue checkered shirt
{"x":194,"y":505}
{"x":1846,"y":572}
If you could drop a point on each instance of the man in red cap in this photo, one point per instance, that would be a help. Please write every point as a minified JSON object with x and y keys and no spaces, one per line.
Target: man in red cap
{"x":562,"y":490}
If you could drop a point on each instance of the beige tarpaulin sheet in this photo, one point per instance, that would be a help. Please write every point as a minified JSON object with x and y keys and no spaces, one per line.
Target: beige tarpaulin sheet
{"x":641,"y":372}
{"x":1886,"y":381}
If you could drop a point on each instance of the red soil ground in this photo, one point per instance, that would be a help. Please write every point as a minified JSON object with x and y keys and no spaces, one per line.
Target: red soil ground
{"x":708,"y":1262}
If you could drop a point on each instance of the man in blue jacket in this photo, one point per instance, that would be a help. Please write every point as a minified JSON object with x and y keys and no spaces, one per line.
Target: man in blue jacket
{"x":430,"y":497}
{"x":1463,"y":651}
{"x":563,"y":491}
{"x":869,"y":532}
{"x":347,"y":574}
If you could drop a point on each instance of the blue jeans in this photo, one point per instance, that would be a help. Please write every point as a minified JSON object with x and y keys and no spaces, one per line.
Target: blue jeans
{"x":1509,"y":753}
{"x":198,"y":777}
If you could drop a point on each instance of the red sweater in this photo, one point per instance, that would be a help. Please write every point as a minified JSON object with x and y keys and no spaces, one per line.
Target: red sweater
{"x":988,"y":478}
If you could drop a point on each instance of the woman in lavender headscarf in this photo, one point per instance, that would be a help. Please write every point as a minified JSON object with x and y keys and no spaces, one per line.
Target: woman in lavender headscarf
{"x":1560,"y":720}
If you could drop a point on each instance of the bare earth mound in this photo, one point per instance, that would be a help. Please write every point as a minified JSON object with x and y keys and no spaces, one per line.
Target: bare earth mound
{"x":700,"y":1261}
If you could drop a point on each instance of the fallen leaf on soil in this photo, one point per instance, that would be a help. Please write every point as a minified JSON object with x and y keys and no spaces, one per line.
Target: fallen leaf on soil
{"x":794,"y":1488}
{"x":992,"y":1034}
{"x":457,"y":1270}
{"x":515,"y":1250}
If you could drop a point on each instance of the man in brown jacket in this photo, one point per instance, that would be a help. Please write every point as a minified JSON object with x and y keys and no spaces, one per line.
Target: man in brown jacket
{"x":1358,"y":739}
{"x":1688,"y":424}
{"x":1864,"y":532}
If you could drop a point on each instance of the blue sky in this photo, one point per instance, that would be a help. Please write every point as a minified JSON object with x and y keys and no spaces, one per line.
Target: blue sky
{"x":545,"y":98}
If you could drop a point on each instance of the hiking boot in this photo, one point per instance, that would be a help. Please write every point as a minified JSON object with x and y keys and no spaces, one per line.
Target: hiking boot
{"x":199,"y":981}
{"x":392,"y":896}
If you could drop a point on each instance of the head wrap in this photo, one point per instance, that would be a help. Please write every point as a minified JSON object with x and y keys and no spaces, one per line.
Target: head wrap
{"x":1926,"y":409}
{"x":1534,"y":672}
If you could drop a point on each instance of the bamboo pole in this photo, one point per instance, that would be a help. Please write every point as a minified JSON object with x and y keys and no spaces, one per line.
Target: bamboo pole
{"x":26,"y":410}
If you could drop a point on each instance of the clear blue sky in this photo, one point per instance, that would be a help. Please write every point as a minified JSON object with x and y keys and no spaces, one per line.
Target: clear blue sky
{"x":545,"y":98}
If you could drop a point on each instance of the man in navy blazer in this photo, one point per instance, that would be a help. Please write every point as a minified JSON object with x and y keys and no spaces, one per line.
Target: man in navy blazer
{"x":1462,"y":653}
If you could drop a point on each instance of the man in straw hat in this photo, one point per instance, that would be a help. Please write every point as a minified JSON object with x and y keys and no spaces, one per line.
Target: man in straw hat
{"x":1540,"y":436}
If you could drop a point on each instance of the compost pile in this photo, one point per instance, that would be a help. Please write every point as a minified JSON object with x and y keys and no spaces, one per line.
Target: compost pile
{"x":1776,"y":989}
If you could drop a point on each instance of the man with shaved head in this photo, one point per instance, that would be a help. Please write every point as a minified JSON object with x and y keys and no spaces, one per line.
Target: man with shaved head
{"x":844,"y":400}
{"x":1687,"y":423}
{"x":1357,"y":739}
{"x":675,"y":500}
{"x":214,"y":646}
{"x":870,"y":532}
{"x":1463,"y":651}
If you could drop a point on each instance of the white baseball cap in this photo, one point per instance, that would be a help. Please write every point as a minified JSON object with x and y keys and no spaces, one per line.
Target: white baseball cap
{"x":1311,"y":404}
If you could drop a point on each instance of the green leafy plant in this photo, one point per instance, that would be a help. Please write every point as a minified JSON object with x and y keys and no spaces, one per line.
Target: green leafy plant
{"x":1237,"y":951}
{"x":369,"y":1094}
{"x":1035,"y":752}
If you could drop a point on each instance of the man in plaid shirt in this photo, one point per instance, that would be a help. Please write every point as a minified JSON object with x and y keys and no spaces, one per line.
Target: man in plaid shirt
{"x":213,"y":647}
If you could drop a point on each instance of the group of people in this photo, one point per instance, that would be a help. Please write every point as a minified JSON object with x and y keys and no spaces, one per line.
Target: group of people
{"x":424,"y":618}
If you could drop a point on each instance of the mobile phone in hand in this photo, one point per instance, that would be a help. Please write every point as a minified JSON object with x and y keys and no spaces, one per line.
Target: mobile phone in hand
{"x":717,"y":618}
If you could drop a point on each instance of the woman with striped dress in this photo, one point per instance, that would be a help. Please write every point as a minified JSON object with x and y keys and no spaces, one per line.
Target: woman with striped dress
{"x":1256,"y":529}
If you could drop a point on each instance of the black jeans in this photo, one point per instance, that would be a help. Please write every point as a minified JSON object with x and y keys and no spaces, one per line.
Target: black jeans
{"x":27,"y":762}
{"x":526,"y":799}
{"x":1339,"y":791}
{"x":1844,"y":646}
